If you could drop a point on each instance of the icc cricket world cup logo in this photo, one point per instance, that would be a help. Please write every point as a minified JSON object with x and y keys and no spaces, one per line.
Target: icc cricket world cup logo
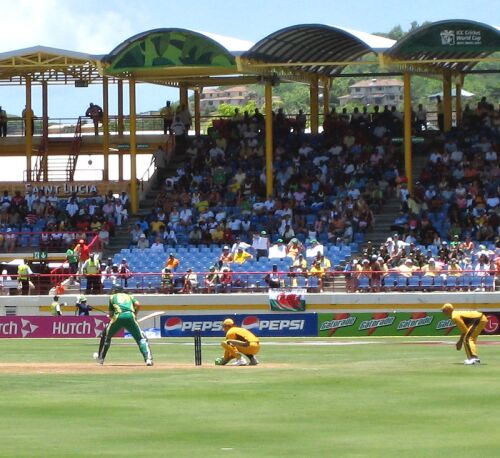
{"x":448,"y":38}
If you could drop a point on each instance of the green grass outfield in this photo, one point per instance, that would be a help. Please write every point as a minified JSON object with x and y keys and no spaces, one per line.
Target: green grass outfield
{"x":370,"y":397}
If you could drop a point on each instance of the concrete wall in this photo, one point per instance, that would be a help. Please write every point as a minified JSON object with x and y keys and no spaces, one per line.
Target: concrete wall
{"x":253,"y":303}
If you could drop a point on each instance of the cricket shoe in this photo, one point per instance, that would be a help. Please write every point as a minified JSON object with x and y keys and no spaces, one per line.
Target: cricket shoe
{"x":476,"y":360}
{"x":253,"y":361}
{"x":149,"y":362}
{"x":98,"y":360}
{"x":470,"y":362}
{"x":241,"y":361}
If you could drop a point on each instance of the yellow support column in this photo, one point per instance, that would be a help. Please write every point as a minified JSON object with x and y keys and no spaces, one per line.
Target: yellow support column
{"x":28,"y":145}
{"x":183,"y":95}
{"x":45,"y":109}
{"x":407,"y":130}
{"x":120,"y":126}
{"x":447,"y":112}
{"x":313,"y":102}
{"x":134,"y":200}
{"x":105,"y":127}
{"x":458,"y":101}
{"x":197,"y":117}
{"x":45,"y":127}
{"x":269,"y":139}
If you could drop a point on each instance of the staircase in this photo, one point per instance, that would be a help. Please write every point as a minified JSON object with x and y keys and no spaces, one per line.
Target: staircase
{"x":122,"y":235}
{"x":58,"y":168}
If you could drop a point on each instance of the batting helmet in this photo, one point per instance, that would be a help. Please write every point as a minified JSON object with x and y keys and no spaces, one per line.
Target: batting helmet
{"x":117,"y":288}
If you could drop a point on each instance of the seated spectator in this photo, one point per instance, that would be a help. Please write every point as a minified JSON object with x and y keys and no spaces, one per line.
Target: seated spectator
{"x":167,"y":281}
{"x":226,"y":256}
{"x":273,"y":279}
{"x":318,"y":271}
{"x":294,"y":248}
{"x":212,"y":281}
{"x":143,"y":242}
{"x":314,"y":249}
{"x":431,"y":269}
{"x":277,"y":250}
{"x":158,"y":245}
{"x":407,"y":268}
{"x":135,"y":234}
{"x":124,"y":272}
{"x":226,"y":280}
{"x":190,"y":282}
{"x":195,"y":235}
{"x":241,"y":256}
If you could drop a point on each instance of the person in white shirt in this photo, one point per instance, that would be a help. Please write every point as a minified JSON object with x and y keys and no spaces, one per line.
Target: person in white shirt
{"x":158,"y":245}
{"x":277,"y":250}
{"x":261,"y":244}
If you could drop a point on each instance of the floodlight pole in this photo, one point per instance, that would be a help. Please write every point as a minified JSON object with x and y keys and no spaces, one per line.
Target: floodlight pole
{"x":105,"y":126}
{"x":407,"y":131}
{"x":28,"y":145}
{"x":134,"y":201}
{"x":269,"y":138}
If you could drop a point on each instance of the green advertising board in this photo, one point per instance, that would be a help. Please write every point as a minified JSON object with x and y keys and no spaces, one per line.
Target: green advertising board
{"x":385,"y":324}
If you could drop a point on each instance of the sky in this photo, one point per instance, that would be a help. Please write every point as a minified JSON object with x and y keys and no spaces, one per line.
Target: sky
{"x":97,"y":26}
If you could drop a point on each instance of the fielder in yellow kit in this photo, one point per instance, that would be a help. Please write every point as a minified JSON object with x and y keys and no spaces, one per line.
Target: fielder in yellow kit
{"x":470,"y":323}
{"x":239,"y":342}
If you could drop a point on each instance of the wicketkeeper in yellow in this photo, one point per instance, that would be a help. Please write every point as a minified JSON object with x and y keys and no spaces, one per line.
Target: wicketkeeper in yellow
{"x":470,"y":323}
{"x":239,"y":342}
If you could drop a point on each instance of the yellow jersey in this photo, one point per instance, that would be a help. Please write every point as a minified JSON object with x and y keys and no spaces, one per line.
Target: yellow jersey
{"x":464,"y":319}
{"x":236,"y":333}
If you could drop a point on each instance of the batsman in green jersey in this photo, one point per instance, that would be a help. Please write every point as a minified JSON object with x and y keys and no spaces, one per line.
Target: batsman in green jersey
{"x":123,"y":309}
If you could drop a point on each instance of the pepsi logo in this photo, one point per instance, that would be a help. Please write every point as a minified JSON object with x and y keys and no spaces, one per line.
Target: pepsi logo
{"x":173,"y":324}
{"x":250,"y":322}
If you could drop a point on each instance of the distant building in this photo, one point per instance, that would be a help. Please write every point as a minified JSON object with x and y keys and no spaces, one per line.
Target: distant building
{"x":211,"y":98}
{"x":374,"y":92}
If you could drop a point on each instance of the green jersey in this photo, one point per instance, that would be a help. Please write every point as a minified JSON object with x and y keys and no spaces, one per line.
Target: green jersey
{"x":122,"y":302}
{"x":71,"y":256}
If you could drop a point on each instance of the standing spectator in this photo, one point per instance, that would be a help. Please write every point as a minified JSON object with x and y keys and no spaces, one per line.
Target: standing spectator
{"x":261,"y":244}
{"x":23,"y":276}
{"x":161,"y":162}
{"x":179,"y":130}
{"x":172,"y":262}
{"x":72,"y":260}
{"x":95,"y":113}
{"x":82,"y":250}
{"x":135,"y":234}
{"x":318,"y":271}
{"x":421,"y":118}
{"x":168,"y":115}
{"x":32,"y":121}
{"x":3,"y":122}
{"x":440,"y":113}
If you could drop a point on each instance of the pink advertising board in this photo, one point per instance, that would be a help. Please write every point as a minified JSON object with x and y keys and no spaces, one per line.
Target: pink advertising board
{"x":33,"y":327}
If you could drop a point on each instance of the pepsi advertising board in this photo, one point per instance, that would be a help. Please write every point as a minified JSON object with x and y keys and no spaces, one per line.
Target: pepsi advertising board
{"x":262,"y":325}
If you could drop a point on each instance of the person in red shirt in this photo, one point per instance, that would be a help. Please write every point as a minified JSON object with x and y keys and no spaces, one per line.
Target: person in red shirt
{"x":83,"y":251}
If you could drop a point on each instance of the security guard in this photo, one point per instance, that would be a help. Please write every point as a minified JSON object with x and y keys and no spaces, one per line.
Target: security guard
{"x":90,"y":270}
{"x":55,"y":307}
{"x":470,"y":323}
{"x":23,"y":276}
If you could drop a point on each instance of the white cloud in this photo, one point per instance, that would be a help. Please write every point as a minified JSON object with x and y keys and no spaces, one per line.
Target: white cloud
{"x":89,"y":26}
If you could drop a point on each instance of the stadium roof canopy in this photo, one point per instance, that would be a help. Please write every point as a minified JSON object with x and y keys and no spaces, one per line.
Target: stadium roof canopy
{"x":43,"y":63}
{"x":313,"y":49}
{"x":454,"y":45}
